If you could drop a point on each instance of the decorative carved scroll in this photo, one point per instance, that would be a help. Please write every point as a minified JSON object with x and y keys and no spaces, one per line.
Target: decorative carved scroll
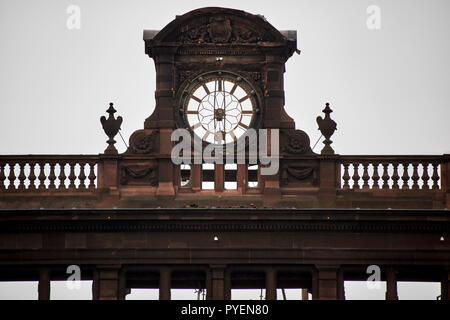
{"x":143,"y":142}
{"x":297,"y":143}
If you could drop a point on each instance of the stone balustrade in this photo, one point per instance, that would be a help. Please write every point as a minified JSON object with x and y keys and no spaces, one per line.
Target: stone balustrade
{"x":302,"y":181}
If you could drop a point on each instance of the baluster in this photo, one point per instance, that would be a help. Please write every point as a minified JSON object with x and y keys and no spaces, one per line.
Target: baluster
{"x":32,"y":176}
{"x":435,"y":176}
{"x":395,"y":177}
{"x":82,"y":176}
{"x":355,"y":176}
{"x":41,"y":176}
{"x":405,"y":176}
{"x":2,"y":176}
{"x":365,"y":176}
{"x":425,"y":176}
{"x":415,"y":176}
{"x":11,"y":176}
{"x":345,"y":176}
{"x":62,"y":176}
{"x":91,"y":175}
{"x":52,"y":176}
{"x":72,"y":175}
{"x":385,"y":176}
{"x":22,"y":177}
{"x":375,"y":176}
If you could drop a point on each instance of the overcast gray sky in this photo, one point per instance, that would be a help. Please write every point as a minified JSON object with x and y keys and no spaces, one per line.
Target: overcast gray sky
{"x":389,"y":88}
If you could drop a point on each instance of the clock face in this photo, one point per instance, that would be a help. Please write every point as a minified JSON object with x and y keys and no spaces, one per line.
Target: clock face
{"x":220,"y":107}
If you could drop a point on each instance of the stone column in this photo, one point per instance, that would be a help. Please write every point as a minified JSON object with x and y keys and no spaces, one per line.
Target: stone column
{"x":391,"y":284}
{"x":166,"y":177}
{"x":95,"y":284}
{"x":106,"y":283}
{"x":315,"y":284}
{"x":340,"y":285}
{"x":165,"y":279}
{"x":328,"y":176}
{"x":227,"y":294}
{"x":271,"y":284}
{"x":273,"y":79}
{"x":44,"y":284}
{"x":208,"y":285}
{"x":219,"y":177}
{"x":445,"y":288}
{"x":326,"y":285}
{"x":163,"y":116}
{"x":242,"y":178}
{"x":123,"y":290}
{"x":305,"y":294}
{"x":271,"y":183}
{"x":217,"y":282}
{"x":196,"y":177}
{"x":108,"y":174}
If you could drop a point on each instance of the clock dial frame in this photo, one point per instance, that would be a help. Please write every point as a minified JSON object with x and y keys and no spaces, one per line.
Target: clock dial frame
{"x":219,"y":107}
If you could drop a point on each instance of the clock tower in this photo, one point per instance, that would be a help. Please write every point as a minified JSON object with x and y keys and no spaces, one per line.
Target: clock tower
{"x":219,"y":72}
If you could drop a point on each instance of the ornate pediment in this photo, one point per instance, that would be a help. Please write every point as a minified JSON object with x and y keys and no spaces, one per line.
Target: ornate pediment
{"x":218,"y":26}
{"x":220,"y":29}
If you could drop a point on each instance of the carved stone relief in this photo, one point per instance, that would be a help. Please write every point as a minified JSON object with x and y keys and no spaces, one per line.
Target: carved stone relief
{"x":143,"y":142}
{"x":297,"y":142}
{"x":220,"y":29}
{"x":139,"y":174}
{"x":295,"y":173}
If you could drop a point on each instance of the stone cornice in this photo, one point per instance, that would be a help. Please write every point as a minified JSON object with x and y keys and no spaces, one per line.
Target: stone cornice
{"x":224,"y":220}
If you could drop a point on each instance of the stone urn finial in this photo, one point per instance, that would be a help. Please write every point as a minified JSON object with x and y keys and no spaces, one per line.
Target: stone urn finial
{"x":111,"y":127}
{"x":327,"y":126}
